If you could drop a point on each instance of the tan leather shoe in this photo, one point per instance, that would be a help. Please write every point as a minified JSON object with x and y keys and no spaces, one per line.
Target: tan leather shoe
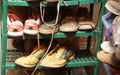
{"x":84,"y":19}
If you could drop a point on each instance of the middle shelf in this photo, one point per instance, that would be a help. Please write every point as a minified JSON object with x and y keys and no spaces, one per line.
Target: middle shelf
{"x":64,"y":35}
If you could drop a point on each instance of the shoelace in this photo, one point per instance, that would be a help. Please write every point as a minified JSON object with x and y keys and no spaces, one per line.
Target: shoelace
{"x":45,"y":53}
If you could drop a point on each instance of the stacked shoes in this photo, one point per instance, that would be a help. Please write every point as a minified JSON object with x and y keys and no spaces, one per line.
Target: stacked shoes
{"x":57,"y":57}
{"x":66,"y":20}
{"x":110,"y":52}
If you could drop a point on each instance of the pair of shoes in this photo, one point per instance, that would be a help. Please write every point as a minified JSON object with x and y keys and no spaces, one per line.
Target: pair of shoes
{"x":79,"y":20}
{"x":57,"y":57}
{"x":17,"y":28}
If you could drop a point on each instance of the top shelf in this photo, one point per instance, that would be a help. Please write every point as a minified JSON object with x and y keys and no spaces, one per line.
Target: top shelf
{"x":36,"y":3}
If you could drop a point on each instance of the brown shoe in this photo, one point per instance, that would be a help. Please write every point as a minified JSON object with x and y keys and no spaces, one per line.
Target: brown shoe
{"x":68,"y":23}
{"x":84,"y":19}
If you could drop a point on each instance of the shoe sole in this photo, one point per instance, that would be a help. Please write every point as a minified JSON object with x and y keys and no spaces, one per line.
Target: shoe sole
{"x":107,"y":47}
{"x":15,"y":34}
{"x":113,"y":6}
{"x":30,"y":32}
{"x":47,"y":32}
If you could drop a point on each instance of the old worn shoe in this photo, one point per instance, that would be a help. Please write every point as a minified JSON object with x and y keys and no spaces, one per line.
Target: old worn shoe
{"x":32,"y":59}
{"x":58,"y":57}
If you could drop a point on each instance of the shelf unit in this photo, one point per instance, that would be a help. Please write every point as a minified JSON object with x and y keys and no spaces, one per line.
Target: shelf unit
{"x":8,"y":56}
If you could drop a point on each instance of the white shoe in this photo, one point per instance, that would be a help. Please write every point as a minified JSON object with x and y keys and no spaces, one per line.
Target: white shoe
{"x":108,"y":47}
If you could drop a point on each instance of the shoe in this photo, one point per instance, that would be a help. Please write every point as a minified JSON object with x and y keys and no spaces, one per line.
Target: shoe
{"x":48,"y":29}
{"x":105,"y":57}
{"x":84,"y":19}
{"x":31,"y":26}
{"x":68,"y":24}
{"x":108,"y":47}
{"x":32,"y":59}
{"x":50,"y":19}
{"x":113,"y":6}
{"x":14,"y":26}
{"x":58,"y":57}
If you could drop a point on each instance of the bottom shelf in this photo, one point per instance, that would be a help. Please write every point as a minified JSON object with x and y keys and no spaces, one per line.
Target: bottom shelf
{"x":12,"y":55}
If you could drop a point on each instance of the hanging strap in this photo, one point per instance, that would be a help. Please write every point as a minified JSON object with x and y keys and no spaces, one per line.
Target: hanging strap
{"x":42,"y":12}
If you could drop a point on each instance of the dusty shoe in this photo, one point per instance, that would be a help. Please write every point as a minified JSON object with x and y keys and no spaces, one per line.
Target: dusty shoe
{"x":113,"y":6}
{"x":68,"y":24}
{"x":104,"y":57}
{"x":32,"y":59}
{"x":58,"y":57}
{"x":48,"y":29}
{"x":108,"y":47}
{"x":84,"y":19}
{"x":50,"y":19}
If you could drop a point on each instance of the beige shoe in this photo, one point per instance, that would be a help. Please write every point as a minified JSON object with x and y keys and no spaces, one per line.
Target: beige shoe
{"x":68,"y":24}
{"x":32,"y":59}
{"x":84,"y":19}
{"x":57,"y":57}
{"x":105,"y":57}
{"x":108,"y":47}
{"x":113,"y":6}
{"x":48,"y":29}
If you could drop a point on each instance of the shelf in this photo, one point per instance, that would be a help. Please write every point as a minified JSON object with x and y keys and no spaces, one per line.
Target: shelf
{"x":36,"y":3}
{"x":79,"y":61}
{"x":64,"y":35}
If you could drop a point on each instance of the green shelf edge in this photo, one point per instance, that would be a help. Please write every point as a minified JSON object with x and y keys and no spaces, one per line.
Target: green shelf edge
{"x":72,"y":63}
{"x":36,"y":3}
{"x":61,"y":35}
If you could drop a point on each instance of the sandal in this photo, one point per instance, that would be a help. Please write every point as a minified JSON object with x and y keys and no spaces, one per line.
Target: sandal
{"x":14,"y":26}
{"x":84,"y":19}
{"x":32,"y":59}
{"x":69,"y":23}
{"x":58,"y":57}
{"x":108,"y":47}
